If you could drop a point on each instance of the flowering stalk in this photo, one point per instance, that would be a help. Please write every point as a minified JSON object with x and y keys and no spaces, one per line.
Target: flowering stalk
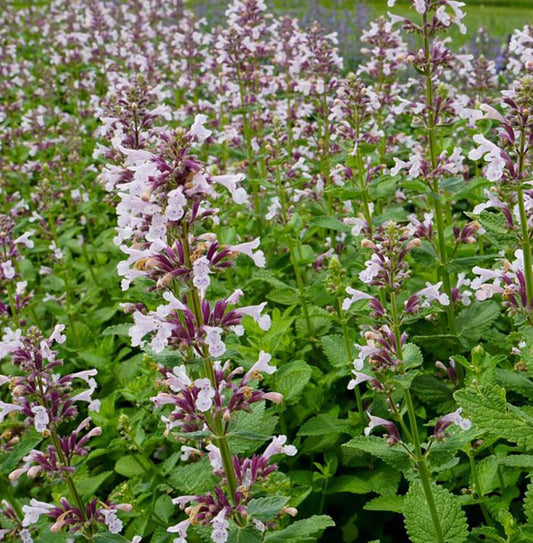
{"x":439,"y":214}
{"x":293,"y":244}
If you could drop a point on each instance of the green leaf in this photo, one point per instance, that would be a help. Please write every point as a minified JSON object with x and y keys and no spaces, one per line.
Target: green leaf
{"x":412,"y":356}
{"x":249,"y":534}
{"x":331,"y":223}
{"x":291,"y":380}
{"x":335,"y":350}
{"x":129,"y":466}
{"x":395,"y":456}
{"x":476,"y":318}
{"x":487,"y":407}
{"x":117,"y":330}
{"x":496,"y":229}
{"x":382,"y":479}
{"x":30,"y":439}
{"x":419,"y":521}
{"x":164,"y":507}
{"x":302,"y":530}
{"x":434,"y":393}
{"x":391,"y":503}
{"x":88,"y":486}
{"x":110,"y":538}
{"x":528,"y":503}
{"x":250,"y":429}
{"x":515,"y":381}
{"x":267,"y":509}
{"x":324,"y":424}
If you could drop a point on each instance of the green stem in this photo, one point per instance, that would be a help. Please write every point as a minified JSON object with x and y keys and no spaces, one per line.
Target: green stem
{"x":420,"y":461}
{"x":425,"y":477}
{"x":477,"y":488}
{"x":437,"y":206}
{"x":217,"y":425}
{"x":293,"y":256}
{"x":348,"y":345}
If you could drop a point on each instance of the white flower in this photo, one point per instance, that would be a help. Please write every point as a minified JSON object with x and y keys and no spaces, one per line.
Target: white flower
{"x":8,"y":269}
{"x":457,"y":419}
{"x":198,"y":129}
{"x":493,"y":155}
{"x":273,"y":208}
{"x":40,"y":418}
{"x":56,"y":335}
{"x":374,"y":423}
{"x":6,"y":408}
{"x":254,"y":311}
{"x":359,"y":378}
{"x":213,"y":340}
{"x":278,"y":447}
{"x":25,"y":239}
{"x":231,"y":182}
{"x":356,"y":295}
{"x":33,"y":511}
{"x":261,"y":366}
{"x":175,"y":204}
{"x":247,"y":249}
{"x":204,"y":401}
{"x":215,"y":458}
{"x":180,"y":529}
{"x":200,"y":274}
{"x":432,"y":292}
{"x":220,"y":527}
{"x":111,"y":520}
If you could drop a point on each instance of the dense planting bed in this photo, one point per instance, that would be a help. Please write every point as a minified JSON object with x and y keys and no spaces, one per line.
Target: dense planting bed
{"x":248,"y":295}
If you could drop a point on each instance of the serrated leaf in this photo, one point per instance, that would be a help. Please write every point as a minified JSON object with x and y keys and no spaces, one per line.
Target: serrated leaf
{"x":302,"y":530}
{"x":419,"y":521}
{"x":487,"y":407}
{"x":291,"y":380}
{"x":324,"y":424}
{"x":476,"y":318}
{"x":515,"y":381}
{"x":392,"y":503}
{"x":528,"y":503}
{"x":193,"y":478}
{"x":249,"y":534}
{"x":434,"y":393}
{"x":496,"y":229}
{"x":335,"y":350}
{"x":395,"y":456}
{"x":267,"y":509}
{"x":412,"y":356}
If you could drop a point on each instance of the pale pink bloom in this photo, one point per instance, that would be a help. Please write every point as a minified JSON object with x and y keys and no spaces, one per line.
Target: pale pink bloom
{"x":213,"y":340}
{"x":261,"y":366}
{"x":492,"y":154}
{"x":198,"y":129}
{"x":247,"y":249}
{"x":25,"y":239}
{"x":254,"y":311}
{"x":40,"y":418}
{"x":277,"y":446}
{"x":356,"y":295}
{"x":33,"y":511}
{"x":431,"y":293}
{"x":359,"y":378}
{"x":457,"y":419}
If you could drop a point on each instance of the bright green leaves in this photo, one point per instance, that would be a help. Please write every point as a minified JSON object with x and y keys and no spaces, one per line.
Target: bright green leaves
{"x":419,"y":521}
{"x":488,"y":409}
{"x":302,"y":531}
